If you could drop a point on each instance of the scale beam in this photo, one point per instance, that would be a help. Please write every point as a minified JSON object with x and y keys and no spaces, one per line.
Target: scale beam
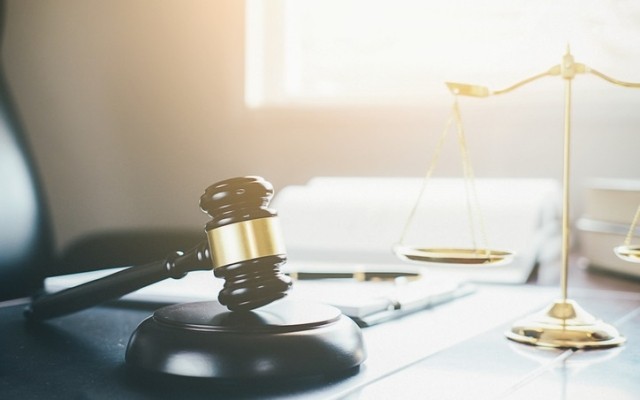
{"x":568,"y":69}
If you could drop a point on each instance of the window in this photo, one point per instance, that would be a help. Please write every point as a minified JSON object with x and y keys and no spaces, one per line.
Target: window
{"x":338,"y":52}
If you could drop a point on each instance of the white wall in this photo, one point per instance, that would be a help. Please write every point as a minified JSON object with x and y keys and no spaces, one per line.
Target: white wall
{"x":134,"y":107}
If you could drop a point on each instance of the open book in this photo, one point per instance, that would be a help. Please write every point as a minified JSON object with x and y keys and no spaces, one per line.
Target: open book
{"x":354,"y":222}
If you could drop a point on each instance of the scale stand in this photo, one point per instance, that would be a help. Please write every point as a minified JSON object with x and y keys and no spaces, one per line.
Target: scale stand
{"x":563,"y":324}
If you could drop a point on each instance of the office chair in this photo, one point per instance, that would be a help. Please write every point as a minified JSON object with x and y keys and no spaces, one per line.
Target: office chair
{"x":27,"y":251}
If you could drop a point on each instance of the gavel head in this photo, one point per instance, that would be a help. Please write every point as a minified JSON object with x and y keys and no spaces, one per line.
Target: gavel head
{"x":245,"y":242}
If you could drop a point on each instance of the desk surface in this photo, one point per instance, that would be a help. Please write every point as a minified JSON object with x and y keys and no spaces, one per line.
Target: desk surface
{"x":456,"y":350}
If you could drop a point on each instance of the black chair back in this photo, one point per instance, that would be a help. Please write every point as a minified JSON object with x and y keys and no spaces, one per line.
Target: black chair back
{"x":26,"y":241}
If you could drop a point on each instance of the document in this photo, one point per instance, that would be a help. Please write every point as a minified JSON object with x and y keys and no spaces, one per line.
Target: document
{"x":380,"y":297}
{"x":373,"y":302}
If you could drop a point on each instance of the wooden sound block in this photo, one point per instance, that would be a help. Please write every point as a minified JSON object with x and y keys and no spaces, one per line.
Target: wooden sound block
{"x":282,"y":339}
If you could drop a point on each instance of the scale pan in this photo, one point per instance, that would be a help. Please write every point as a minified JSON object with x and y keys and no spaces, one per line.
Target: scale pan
{"x":628,"y":253}
{"x":454,"y":255}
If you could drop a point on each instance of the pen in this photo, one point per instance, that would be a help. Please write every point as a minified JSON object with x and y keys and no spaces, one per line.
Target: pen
{"x":401,"y":308}
{"x":359,"y":276}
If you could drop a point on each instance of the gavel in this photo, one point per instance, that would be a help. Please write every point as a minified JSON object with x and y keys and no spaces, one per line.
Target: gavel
{"x":244,"y":247}
{"x":241,"y":335}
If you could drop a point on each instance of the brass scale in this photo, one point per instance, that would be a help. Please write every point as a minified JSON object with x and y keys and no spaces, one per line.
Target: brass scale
{"x":563,"y":324}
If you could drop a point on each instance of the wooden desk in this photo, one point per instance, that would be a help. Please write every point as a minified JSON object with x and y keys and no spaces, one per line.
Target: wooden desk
{"x":454,"y":351}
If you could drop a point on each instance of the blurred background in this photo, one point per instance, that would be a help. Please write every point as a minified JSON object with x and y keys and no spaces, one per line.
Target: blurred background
{"x":133,"y":107}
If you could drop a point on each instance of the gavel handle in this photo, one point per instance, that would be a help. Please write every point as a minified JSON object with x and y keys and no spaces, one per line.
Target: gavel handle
{"x":118,"y":284}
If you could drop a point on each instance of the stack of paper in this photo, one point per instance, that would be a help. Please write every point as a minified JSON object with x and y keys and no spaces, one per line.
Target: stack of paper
{"x":610,"y":205}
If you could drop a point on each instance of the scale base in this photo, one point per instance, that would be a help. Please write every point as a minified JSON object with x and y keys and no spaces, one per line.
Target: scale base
{"x":564,"y":324}
{"x":282,"y":339}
